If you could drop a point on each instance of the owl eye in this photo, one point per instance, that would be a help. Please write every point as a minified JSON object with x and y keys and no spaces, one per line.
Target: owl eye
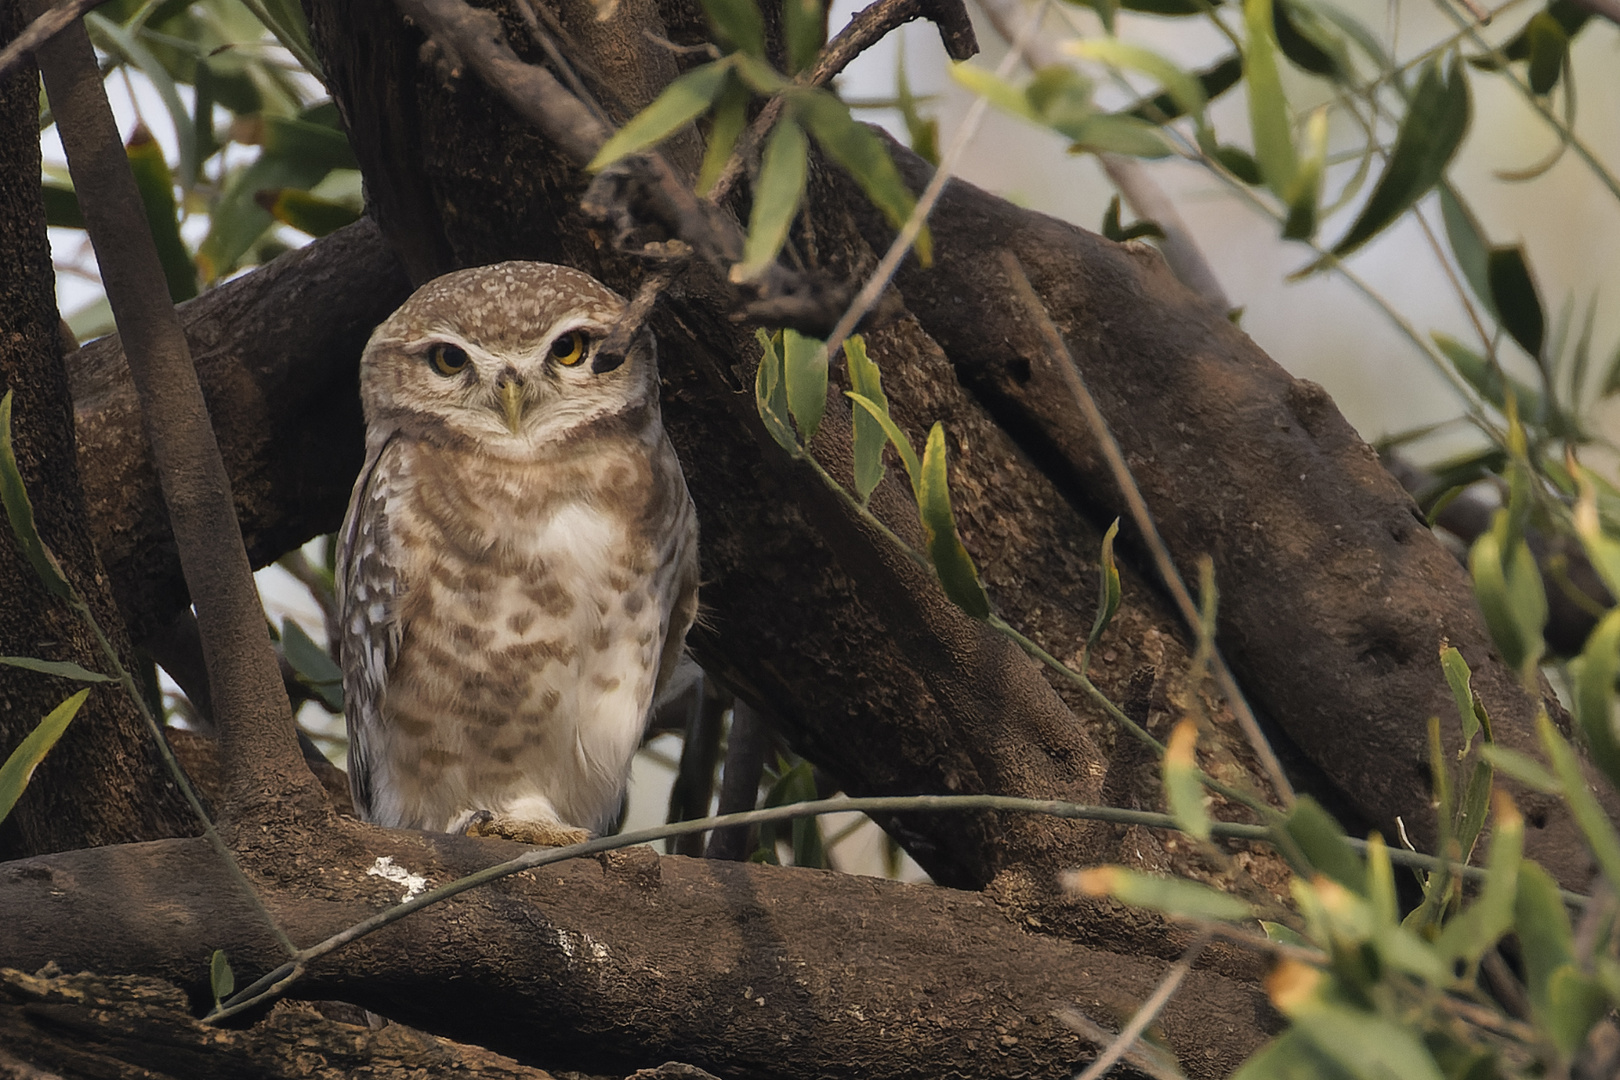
{"x":569,"y":349}
{"x":447,"y":360}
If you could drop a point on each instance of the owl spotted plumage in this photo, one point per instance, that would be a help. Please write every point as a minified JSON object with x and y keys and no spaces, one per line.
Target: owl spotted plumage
{"x":518,"y":566}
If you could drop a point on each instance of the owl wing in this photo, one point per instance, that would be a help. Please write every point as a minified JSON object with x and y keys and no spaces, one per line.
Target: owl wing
{"x":369,"y":587}
{"x":684,"y":610}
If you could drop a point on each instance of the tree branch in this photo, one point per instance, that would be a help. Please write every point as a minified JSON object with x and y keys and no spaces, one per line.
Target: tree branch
{"x":783,"y":973}
{"x":261,"y":758}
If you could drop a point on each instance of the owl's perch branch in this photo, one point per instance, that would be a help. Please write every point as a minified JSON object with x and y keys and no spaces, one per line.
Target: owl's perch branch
{"x":748,"y":971}
{"x":261,"y":758}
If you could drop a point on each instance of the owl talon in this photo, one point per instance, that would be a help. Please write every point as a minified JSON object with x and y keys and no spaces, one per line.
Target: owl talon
{"x":538,"y":833}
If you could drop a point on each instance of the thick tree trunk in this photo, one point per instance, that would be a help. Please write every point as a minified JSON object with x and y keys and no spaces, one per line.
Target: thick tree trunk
{"x":103,"y":784}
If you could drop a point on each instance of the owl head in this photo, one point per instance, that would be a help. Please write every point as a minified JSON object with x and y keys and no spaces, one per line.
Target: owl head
{"x":507,"y":357}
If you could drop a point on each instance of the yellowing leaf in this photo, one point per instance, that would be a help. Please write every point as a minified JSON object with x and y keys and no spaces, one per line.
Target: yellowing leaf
{"x":1183,"y":790}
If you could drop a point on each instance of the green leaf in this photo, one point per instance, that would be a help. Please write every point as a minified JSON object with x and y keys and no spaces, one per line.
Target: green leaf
{"x":1323,"y":842}
{"x":305,"y":212}
{"x":1515,"y":298}
{"x":1112,"y":229}
{"x":730,"y":117}
{"x":738,"y":24}
{"x":863,"y":155}
{"x":804,"y":26}
{"x":1213,"y":81}
{"x":20,"y":513}
{"x":770,"y":396}
{"x":1508,"y":586}
{"x":1268,"y":107}
{"x":1546,"y":940}
{"x":757,"y":75}
{"x":1589,"y":815}
{"x":804,"y":362}
{"x":923,"y":131}
{"x":285,"y":19}
{"x":1185,"y":90}
{"x":1170,"y":8}
{"x":1108,"y":589}
{"x":897,"y":438}
{"x":681,"y":102}
{"x":221,"y":979}
{"x":1306,"y":43}
{"x":21,"y":763}
{"x":782,"y":171}
{"x":1120,"y":134}
{"x":796,"y":784}
{"x":1575,"y":1002}
{"x":1471,"y":808}
{"x":951,"y":560}
{"x":62,"y":207}
{"x":1173,"y":896}
{"x":156,"y":187}
{"x":1183,"y":789}
{"x":1363,"y":1044}
{"x":868,"y":438}
{"x":1000,"y":93}
{"x":1458,"y":677}
{"x":1276,"y":931}
{"x":1521,"y":767}
{"x":1468,"y":244}
{"x":1592,"y":676}
{"x":312,"y":664}
{"x":1549,"y":52}
{"x":1240,"y":163}
{"x":1291,"y":1056}
{"x":65,"y":669}
{"x":1305,"y":193}
{"x":119,"y":42}
{"x":1429,"y":136}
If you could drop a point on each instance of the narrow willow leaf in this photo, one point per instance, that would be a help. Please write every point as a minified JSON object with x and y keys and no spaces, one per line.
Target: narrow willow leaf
{"x":1276,"y":931}
{"x":62,"y":207}
{"x":1307,"y":43}
{"x":804,"y":26}
{"x":757,"y":75}
{"x":307,"y":139}
{"x":65,"y":669}
{"x":1547,"y":941}
{"x":730,"y":117}
{"x":1291,"y":1056}
{"x":1000,"y":93}
{"x":859,"y":152}
{"x":1429,"y":136}
{"x":312,"y":664}
{"x":1602,"y":550}
{"x":1116,"y":134}
{"x":770,"y":397}
{"x":1514,"y":606}
{"x":1381,"y":882}
{"x":796,"y":785}
{"x":1458,"y":677}
{"x":156,"y":186}
{"x":1576,"y":1002}
{"x":1173,"y":896}
{"x":739,"y":24}
{"x":1268,"y":107}
{"x":1493,"y":385}
{"x":307,"y":213}
{"x":221,"y":979}
{"x":1240,"y":163}
{"x":782,"y":171}
{"x":1522,"y":767}
{"x":1549,"y":52}
{"x":1108,"y":588}
{"x":1213,"y":81}
{"x":1589,"y":815}
{"x":923,"y":131}
{"x":1364,"y":1044}
{"x":1324,"y":843}
{"x":681,"y":102}
{"x":20,"y":512}
{"x":1468,"y":244}
{"x":1483,"y":923}
{"x":20,"y":764}
{"x":1305,"y":193}
{"x":1184,"y":89}
{"x":1593,"y":676}
{"x":804,"y":369}
{"x":120,"y":42}
{"x":868,"y":438}
{"x":1516,"y":299}
{"x":1183,"y":790}
{"x":1476,"y":798}
{"x":951,"y":560}
{"x":897,"y":439}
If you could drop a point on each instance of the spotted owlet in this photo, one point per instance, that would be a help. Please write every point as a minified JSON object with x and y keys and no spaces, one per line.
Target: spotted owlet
{"x":518,"y":566}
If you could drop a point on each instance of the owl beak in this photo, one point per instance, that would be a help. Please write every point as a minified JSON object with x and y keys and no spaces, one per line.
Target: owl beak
{"x":512,"y":402}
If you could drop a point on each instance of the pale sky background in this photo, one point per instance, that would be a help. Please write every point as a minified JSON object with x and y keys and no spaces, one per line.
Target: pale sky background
{"x":1320,"y":329}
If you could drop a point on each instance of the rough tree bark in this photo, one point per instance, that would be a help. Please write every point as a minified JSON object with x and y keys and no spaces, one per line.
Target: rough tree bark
{"x":865,"y":666}
{"x":104,"y":783}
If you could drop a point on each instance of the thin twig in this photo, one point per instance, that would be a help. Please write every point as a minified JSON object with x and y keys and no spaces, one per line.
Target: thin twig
{"x":1149,"y":1059}
{"x":1148,"y":1012}
{"x":50,"y":23}
{"x":1069,"y":371}
{"x":879,"y":280}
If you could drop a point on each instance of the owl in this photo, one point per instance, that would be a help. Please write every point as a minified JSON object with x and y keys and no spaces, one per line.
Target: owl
{"x":518,"y":566}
